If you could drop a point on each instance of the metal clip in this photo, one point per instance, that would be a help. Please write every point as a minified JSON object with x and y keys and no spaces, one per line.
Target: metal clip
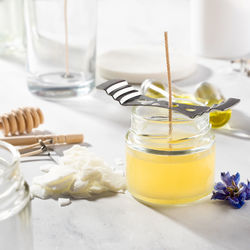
{"x":36,"y":149}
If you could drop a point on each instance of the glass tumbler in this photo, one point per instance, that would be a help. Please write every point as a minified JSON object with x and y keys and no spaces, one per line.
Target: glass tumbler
{"x":61,"y":46}
{"x":11,"y":26}
{"x":15,"y":226}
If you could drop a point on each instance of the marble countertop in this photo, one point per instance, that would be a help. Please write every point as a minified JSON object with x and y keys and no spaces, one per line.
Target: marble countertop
{"x":119,"y":221}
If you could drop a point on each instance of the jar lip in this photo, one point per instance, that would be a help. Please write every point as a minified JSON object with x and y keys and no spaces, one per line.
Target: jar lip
{"x":14,"y":191}
{"x":15,"y":156}
{"x":182,"y":118}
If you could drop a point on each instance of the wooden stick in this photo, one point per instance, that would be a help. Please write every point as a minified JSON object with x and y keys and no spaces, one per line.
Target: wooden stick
{"x":35,"y":145}
{"x":31,"y":153}
{"x":66,"y":39}
{"x":27,"y":140}
{"x":169,"y":84}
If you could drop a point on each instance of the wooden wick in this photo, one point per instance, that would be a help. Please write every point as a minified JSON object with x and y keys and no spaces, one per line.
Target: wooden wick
{"x":66,"y":39}
{"x":169,"y":84}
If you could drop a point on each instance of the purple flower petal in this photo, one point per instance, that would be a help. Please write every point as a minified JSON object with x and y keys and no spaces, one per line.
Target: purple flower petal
{"x":235,"y":202}
{"x":218,"y":196}
{"x":243,"y":196}
{"x":247,"y":190}
{"x":236,"y":178}
{"x":219,"y":186}
{"x":226,"y":178}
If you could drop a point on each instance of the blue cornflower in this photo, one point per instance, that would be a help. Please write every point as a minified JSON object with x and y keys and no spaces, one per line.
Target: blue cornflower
{"x":230,"y":189}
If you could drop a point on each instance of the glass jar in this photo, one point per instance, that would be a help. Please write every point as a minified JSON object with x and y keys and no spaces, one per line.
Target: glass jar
{"x":15,"y":228}
{"x":11,"y":26}
{"x":61,"y":47}
{"x":169,"y":168}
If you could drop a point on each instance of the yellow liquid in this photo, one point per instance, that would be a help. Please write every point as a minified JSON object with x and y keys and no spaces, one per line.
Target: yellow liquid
{"x":175,"y":179}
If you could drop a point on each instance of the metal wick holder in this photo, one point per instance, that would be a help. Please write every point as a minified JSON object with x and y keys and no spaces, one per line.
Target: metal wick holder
{"x":36,"y":149}
{"x":127,"y":95}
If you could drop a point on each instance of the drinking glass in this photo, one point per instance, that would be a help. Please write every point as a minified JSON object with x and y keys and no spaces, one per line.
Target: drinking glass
{"x":11,"y":26}
{"x":61,"y":46}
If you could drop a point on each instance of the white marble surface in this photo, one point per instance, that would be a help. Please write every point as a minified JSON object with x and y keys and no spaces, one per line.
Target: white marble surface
{"x":120,"y":222}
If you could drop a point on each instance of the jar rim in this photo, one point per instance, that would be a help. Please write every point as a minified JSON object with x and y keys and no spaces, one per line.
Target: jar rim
{"x":15,"y":156}
{"x":181,"y":117}
{"x":150,"y":129}
{"x":14,"y":191}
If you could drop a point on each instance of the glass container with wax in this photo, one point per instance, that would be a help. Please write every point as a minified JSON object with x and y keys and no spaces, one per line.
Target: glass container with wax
{"x":164,"y":168}
{"x":15,"y":207}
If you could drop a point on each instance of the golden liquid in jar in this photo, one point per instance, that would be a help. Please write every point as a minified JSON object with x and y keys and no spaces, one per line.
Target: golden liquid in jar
{"x":170,"y":179}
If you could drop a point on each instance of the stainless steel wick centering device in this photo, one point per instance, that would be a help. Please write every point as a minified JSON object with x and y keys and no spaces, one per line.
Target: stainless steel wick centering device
{"x":127,"y":95}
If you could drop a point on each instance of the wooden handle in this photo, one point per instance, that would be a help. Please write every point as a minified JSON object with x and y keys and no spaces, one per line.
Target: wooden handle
{"x":21,"y":120}
{"x":27,"y":140}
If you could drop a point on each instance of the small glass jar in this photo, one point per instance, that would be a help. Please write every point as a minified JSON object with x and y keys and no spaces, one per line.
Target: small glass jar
{"x":169,"y":168}
{"x":15,"y":228}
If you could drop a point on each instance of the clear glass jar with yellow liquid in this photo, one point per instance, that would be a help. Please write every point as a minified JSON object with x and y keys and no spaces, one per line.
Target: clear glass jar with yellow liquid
{"x":169,"y":168}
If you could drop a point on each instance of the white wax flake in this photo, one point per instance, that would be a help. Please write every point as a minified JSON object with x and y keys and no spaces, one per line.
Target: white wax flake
{"x":46,"y":168}
{"x":63,"y":202}
{"x":38,"y":191}
{"x":80,"y":174}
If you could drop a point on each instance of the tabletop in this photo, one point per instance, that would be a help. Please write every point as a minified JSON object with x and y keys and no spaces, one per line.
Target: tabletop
{"x":119,"y":221}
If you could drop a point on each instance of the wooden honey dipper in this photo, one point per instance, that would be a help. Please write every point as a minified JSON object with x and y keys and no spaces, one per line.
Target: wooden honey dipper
{"x":21,"y":120}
